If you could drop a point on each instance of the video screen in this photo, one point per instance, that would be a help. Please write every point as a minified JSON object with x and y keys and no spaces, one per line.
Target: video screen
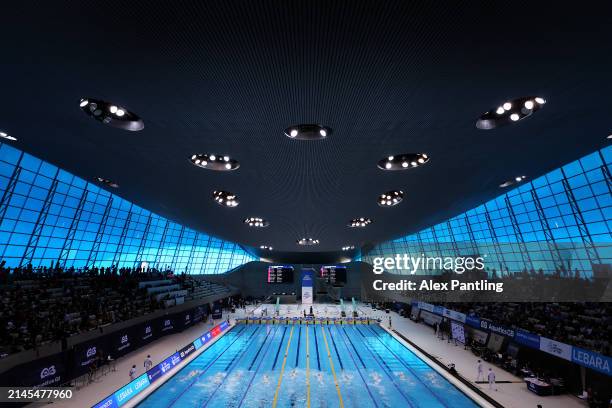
{"x":280,"y":274}
{"x":333,"y":274}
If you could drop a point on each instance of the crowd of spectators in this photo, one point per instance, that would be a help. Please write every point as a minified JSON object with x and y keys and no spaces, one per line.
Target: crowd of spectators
{"x":46,"y":304}
{"x":586,"y":325}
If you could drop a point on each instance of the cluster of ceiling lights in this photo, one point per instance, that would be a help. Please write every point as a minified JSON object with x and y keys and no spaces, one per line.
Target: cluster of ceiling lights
{"x":266,"y":247}
{"x":6,"y":136}
{"x":359,"y":222}
{"x":390,"y":198}
{"x":215,"y":162}
{"x":111,"y":114}
{"x":515,"y":181}
{"x":106,"y":182}
{"x":308,"y":241}
{"x":403,"y":161}
{"x":509,"y":112}
{"x":225,"y":198}
{"x":256,"y":222}
{"x":307,"y":132}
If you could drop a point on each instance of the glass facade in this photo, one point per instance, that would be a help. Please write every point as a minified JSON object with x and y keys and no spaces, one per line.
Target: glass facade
{"x":49,"y":215}
{"x":556,"y":223}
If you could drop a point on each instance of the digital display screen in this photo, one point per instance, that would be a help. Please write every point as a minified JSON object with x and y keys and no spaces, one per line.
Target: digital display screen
{"x":280,"y":274}
{"x":333,"y":274}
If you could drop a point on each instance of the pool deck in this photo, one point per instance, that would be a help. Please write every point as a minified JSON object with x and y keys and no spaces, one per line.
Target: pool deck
{"x":511,"y":395}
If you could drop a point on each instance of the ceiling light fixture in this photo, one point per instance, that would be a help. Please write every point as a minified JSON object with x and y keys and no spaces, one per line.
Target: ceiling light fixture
{"x":359,"y":222}
{"x":348,"y":248}
{"x":110,"y":114}
{"x":401,"y":161}
{"x":266,"y":247}
{"x":225,"y":198}
{"x":6,"y":136}
{"x":214,"y":162}
{"x":390,"y":198}
{"x":106,"y":182}
{"x":256,"y":222}
{"x":510,"y":112}
{"x":307,"y":241}
{"x":516,"y":180}
{"x":307,"y":132}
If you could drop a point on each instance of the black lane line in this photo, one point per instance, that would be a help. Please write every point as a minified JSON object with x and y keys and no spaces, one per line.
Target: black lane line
{"x":378,"y":359}
{"x":242,"y":350}
{"x":314,"y":328}
{"x":357,"y":367}
{"x":354,"y":348}
{"x":258,"y":367}
{"x":279,"y":348}
{"x":242,"y":353}
{"x":259,"y":350}
{"x":297,"y":355}
{"x":335,"y":348}
{"x":238,"y":335}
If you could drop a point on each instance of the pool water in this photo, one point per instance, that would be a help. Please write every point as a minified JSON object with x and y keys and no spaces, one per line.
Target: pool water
{"x":307,"y":366}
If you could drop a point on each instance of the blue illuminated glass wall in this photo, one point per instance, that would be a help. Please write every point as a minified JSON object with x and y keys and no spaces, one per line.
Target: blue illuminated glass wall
{"x":559,"y":221}
{"x":49,"y":215}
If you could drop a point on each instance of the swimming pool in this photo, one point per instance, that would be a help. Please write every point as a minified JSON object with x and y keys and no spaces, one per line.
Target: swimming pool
{"x":307,"y":366}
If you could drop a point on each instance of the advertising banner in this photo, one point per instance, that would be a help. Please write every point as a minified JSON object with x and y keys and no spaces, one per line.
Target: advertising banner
{"x":528,"y":339}
{"x":592,"y":360}
{"x":556,"y":348}
{"x":307,"y":286}
{"x":85,"y":354}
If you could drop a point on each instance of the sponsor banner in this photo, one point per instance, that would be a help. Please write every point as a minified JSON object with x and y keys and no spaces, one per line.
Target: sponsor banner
{"x":472,"y":321}
{"x":439,"y":310}
{"x":45,"y":372}
{"x":528,"y":339}
{"x":556,"y":348}
{"x":426,"y":306}
{"x":165,"y":324}
{"x":186,"y":351}
{"x":129,"y":391}
{"x":592,"y":360}
{"x":197,"y":343}
{"x":496,"y":328}
{"x":109,"y":402}
{"x":85,"y":354}
{"x":122,"y":342}
{"x":458,"y":332}
{"x":162,"y":368}
{"x":146,"y":332}
{"x":451,"y":314}
{"x":307,"y":286}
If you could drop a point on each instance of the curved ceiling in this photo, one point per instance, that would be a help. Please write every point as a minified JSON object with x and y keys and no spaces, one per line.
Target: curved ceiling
{"x":230,"y":76}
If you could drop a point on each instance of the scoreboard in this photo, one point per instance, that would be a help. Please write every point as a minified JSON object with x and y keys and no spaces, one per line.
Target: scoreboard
{"x":333,"y":274}
{"x":280,"y":274}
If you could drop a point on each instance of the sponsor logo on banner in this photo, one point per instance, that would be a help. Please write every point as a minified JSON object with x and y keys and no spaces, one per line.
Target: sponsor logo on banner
{"x":129,"y":391}
{"x":91,"y":352}
{"x":185,"y":351}
{"x":167,"y":325}
{"x":439,"y":310}
{"x":592,"y":360}
{"x":47,"y":372}
{"x":472,"y":321}
{"x":148,"y":333}
{"x":109,"y":402}
{"x":426,"y":306}
{"x":527,"y":338}
{"x":556,"y":348}
{"x":125,"y":342}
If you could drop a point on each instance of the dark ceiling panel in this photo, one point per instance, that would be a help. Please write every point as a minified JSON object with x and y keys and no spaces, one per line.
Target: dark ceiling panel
{"x":229,"y":76}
